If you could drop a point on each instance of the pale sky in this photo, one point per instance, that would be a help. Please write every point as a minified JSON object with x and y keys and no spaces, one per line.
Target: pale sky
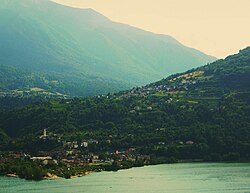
{"x":216,"y":27}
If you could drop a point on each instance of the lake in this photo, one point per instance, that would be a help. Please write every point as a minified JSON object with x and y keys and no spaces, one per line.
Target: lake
{"x":173,"y":178}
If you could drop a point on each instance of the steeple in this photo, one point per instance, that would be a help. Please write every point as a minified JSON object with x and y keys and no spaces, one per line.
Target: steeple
{"x":44,"y":133}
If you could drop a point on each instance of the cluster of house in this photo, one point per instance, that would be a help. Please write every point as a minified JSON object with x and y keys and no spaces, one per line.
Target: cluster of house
{"x":76,"y":144}
{"x":178,"y":142}
{"x":66,"y":156}
{"x":50,"y":136}
{"x":171,"y":86}
{"x":44,"y":160}
{"x":74,"y":157}
{"x":71,"y":152}
{"x":21,"y":94}
{"x":130,"y":154}
{"x":67,"y":144}
{"x":137,"y":92}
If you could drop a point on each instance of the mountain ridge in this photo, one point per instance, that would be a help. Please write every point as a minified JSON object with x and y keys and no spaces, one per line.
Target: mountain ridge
{"x":56,"y":39}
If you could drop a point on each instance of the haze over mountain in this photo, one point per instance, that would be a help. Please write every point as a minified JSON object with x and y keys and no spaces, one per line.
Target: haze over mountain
{"x":81,"y":52}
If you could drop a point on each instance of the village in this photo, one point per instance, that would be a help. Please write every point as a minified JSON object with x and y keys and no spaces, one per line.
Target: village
{"x":170,"y":86}
{"x":74,"y":153}
{"x":33,"y":92}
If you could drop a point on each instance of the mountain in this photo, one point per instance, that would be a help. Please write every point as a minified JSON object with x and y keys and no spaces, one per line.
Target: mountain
{"x":85,"y":52}
{"x":202,"y":113}
{"x":228,"y":76}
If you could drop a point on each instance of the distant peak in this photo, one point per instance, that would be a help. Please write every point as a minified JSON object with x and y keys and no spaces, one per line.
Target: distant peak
{"x":73,"y":7}
{"x":88,"y":11}
{"x":91,"y":10}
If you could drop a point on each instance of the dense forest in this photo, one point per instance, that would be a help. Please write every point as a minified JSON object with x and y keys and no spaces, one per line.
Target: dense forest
{"x":203,"y":113}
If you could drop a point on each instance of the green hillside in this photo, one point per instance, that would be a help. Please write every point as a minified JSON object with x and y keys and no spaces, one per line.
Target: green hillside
{"x":200,"y":114}
{"x":16,"y":79}
{"x":85,"y":51}
{"x":229,"y":76}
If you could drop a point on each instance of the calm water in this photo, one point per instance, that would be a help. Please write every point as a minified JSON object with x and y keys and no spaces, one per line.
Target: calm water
{"x":175,"y":178}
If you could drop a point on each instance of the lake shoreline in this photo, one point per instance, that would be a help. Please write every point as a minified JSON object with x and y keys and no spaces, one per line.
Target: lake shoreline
{"x":51,"y":176}
{"x":179,"y":178}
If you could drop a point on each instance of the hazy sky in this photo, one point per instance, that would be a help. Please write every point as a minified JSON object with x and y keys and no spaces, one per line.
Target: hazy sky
{"x":216,"y":27}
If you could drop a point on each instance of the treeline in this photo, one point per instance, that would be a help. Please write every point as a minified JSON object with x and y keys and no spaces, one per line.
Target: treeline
{"x":220,"y":128}
{"x":24,"y":169}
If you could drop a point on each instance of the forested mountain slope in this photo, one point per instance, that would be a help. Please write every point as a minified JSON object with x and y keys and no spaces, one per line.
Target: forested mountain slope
{"x":207,"y":107}
{"x":85,"y":52}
